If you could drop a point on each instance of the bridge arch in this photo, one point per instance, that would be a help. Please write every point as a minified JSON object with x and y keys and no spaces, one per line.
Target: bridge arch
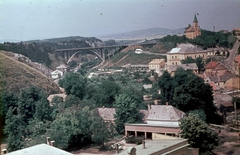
{"x":69,"y":60}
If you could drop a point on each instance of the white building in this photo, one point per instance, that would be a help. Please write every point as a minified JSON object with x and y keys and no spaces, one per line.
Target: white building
{"x":56,"y":74}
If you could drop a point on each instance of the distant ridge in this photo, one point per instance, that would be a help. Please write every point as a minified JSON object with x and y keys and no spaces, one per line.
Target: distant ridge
{"x":145,"y":33}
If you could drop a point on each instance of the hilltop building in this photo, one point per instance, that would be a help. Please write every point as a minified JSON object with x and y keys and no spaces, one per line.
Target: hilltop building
{"x":193,"y":31}
{"x":182,"y":51}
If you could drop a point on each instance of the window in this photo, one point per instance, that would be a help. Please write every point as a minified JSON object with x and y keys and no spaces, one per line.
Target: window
{"x":195,"y":56}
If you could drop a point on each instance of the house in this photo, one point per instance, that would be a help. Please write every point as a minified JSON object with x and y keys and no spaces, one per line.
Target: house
{"x":191,"y":66}
{"x":138,"y":51}
{"x":107,"y":114}
{"x":56,"y":74}
{"x":182,"y":51}
{"x":40,"y":149}
{"x":223,"y":102}
{"x":216,"y":52}
{"x":193,"y":31}
{"x":232,"y":84}
{"x":63,"y":68}
{"x":161,"y":147}
{"x":161,"y":119}
{"x":236,"y":31}
{"x":218,"y":73}
{"x":156,"y":64}
{"x":236,"y":65}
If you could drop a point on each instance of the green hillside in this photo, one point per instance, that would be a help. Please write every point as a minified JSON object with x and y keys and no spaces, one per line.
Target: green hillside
{"x":15,"y":75}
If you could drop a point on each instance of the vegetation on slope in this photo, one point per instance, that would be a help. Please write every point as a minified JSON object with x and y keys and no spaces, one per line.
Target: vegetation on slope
{"x":16,"y":75}
{"x":207,"y":39}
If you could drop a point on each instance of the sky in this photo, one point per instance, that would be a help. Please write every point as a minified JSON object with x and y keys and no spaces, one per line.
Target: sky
{"x":23,"y":20}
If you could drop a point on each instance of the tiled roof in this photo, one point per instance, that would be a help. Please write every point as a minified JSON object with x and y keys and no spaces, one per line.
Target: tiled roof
{"x":40,"y":149}
{"x":237,"y":59}
{"x":190,"y":66}
{"x":223,"y":99}
{"x":190,"y":29}
{"x":221,"y":78}
{"x":164,"y":113}
{"x":213,"y":85}
{"x":107,"y":114}
{"x":186,"y":48}
{"x":154,"y":61}
{"x":211,"y":65}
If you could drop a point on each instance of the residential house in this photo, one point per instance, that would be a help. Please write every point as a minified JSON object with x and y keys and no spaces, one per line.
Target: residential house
{"x":223,"y":102}
{"x":191,"y":66}
{"x":218,"y":73}
{"x":56,"y":74}
{"x":193,"y":31}
{"x":161,"y":147}
{"x":156,"y":64}
{"x":236,"y":31}
{"x":216,"y":52}
{"x":182,"y":51}
{"x":107,"y":114}
{"x":63,"y":68}
{"x":232,"y":84}
{"x":236,"y":65}
{"x":161,"y":119}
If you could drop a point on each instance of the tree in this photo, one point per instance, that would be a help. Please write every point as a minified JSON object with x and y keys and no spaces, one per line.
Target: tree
{"x":187,"y":91}
{"x":106,"y":92}
{"x":74,"y":83}
{"x":165,"y":85}
{"x":198,"y":133}
{"x":100,"y":131}
{"x":126,"y":111}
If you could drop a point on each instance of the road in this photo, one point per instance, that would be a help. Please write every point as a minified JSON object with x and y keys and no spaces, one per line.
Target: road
{"x":232,"y":53}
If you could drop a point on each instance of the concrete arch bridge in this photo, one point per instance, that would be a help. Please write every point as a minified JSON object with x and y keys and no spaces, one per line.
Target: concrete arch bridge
{"x":104,"y":52}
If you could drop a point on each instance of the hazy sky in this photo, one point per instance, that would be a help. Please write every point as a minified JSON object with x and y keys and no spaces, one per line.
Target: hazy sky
{"x":40,"y":19}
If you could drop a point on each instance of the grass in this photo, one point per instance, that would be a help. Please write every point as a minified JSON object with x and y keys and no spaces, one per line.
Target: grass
{"x":135,"y":59}
{"x":15,"y":75}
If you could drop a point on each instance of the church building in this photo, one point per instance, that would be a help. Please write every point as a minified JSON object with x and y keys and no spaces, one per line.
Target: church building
{"x":193,"y":31}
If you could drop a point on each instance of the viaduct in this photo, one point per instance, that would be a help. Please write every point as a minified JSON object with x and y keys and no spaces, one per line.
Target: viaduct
{"x":102,"y":52}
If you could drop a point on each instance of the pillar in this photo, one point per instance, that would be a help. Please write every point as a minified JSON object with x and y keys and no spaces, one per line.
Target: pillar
{"x":135,"y":133}
{"x":145,"y":135}
{"x":65,"y":55}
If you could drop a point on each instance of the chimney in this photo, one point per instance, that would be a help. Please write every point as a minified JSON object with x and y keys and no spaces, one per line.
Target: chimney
{"x":4,"y":151}
{"x":48,"y":141}
{"x":149,"y":107}
{"x":143,"y":144}
{"x":117,"y":150}
{"x":52,"y":143}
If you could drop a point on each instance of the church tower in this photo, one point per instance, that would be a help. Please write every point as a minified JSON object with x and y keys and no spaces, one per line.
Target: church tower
{"x":193,"y":31}
{"x":195,"y":21}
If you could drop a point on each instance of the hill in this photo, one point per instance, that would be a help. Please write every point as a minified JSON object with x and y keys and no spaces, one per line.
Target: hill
{"x":146,"y":33}
{"x":15,"y":75}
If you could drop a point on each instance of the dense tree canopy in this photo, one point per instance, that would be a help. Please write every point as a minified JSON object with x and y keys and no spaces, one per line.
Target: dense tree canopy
{"x":74,"y":83}
{"x":198,"y":133}
{"x":187,"y":92}
{"x":126,"y":111}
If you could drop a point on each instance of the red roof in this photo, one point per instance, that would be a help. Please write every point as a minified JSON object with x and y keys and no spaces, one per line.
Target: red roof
{"x":190,"y":29}
{"x":215,"y":65}
{"x":237,"y":59}
{"x":211,"y":65}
